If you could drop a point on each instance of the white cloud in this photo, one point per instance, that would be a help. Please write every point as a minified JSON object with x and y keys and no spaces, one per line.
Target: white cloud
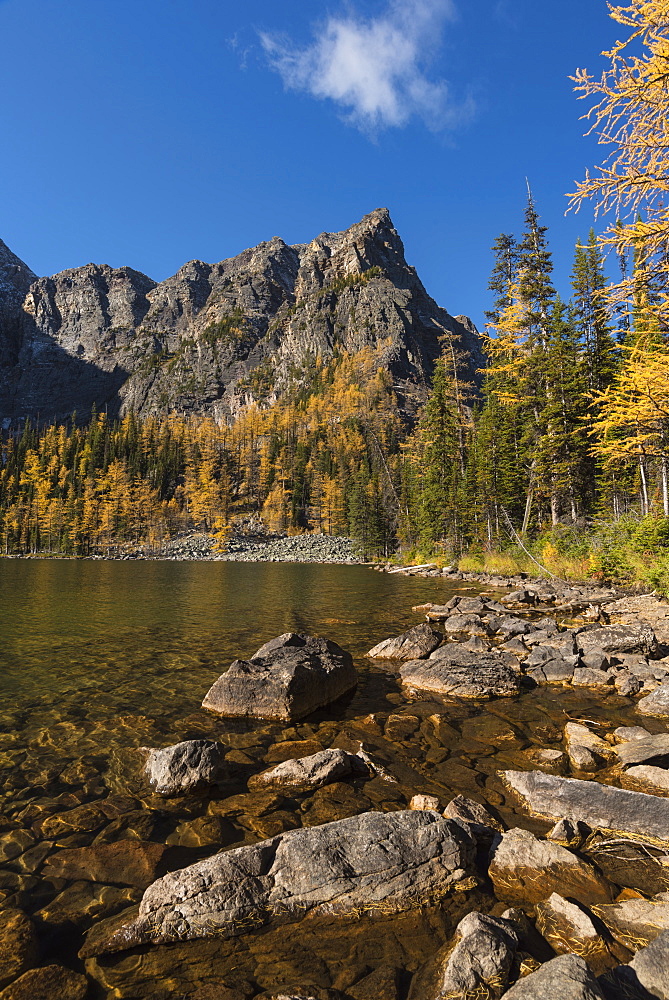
{"x":374,"y":68}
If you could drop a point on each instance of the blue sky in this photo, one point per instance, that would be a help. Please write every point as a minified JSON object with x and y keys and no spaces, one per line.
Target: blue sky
{"x":152,"y":133}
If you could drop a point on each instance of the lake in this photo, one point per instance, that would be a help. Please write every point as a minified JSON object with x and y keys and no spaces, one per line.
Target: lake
{"x":99,"y":659}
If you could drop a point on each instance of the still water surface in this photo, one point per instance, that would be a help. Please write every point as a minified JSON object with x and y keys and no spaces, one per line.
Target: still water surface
{"x":98,"y":659}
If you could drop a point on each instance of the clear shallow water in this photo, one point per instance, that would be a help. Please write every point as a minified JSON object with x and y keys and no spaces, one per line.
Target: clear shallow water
{"x":98,"y":659}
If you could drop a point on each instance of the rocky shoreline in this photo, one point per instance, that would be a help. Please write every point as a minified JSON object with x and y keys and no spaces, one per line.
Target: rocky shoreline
{"x":312,"y":863}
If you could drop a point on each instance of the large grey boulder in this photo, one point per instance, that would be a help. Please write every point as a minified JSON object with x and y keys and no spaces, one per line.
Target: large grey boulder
{"x":476,"y":963}
{"x":287,"y":678}
{"x":566,"y":977}
{"x":455,"y":671}
{"x":414,"y":644}
{"x":185,"y":768}
{"x":314,"y":771}
{"x":370,"y":862}
{"x":656,"y":703}
{"x":601,"y":807}
{"x":525,"y":870}
{"x":632,"y":638}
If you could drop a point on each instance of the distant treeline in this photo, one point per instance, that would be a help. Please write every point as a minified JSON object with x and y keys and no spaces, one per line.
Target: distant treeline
{"x":572,"y":423}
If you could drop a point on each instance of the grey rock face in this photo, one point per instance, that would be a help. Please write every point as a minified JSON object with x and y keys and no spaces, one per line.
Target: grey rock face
{"x":215,"y":336}
{"x":310,"y":772}
{"x":413,"y":644}
{"x":455,"y":671}
{"x":15,"y":280}
{"x":289,"y":677}
{"x":566,"y":977}
{"x":656,"y":703}
{"x":191,"y":766}
{"x":476,"y":964}
{"x":394,"y":861}
{"x":601,"y":807}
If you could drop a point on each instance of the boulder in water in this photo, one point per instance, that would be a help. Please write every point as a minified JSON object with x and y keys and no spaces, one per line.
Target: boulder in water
{"x":287,"y":678}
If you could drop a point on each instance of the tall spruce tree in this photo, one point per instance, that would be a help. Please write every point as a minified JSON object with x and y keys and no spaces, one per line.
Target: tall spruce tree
{"x":504,"y":274}
{"x":591,"y":314}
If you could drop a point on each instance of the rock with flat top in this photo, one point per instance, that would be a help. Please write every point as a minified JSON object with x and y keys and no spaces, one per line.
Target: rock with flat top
{"x":453,"y":671}
{"x":601,"y":807}
{"x":569,"y":929}
{"x":624,"y":734}
{"x":370,"y":862}
{"x":656,"y":703}
{"x":313,"y":771}
{"x":287,"y":678}
{"x":566,"y":977}
{"x":414,"y":644}
{"x":186,"y":768}
{"x":635,"y":922}
{"x":632,"y":638}
{"x":525,"y":870}
{"x":646,"y":778}
{"x":476,"y":963}
{"x":646,"y":750}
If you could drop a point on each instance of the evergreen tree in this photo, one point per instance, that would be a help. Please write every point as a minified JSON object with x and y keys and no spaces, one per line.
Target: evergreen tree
{"x":504,"y":274}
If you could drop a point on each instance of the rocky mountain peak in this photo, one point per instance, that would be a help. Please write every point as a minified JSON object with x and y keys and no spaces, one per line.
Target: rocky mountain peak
{"x":215,"y":337}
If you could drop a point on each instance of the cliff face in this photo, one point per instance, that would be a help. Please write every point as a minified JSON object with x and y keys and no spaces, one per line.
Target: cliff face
{"x":216,"y":336}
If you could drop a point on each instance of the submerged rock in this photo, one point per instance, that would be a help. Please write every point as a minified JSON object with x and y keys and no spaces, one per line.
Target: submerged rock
{"x":476,"y":963}
{"x":287,"y":678}
{"x":566,"y":977}
{"x":414,"y":644}
{"x":455,"y":671}
{"x":525,"y":870}
{"x":18,"y":944}
{"x":381,"y":862}
{"x":127,"y":862}
{"x":191,"y":766}
{"x":50,"y":982}
{"x":601,"y":807}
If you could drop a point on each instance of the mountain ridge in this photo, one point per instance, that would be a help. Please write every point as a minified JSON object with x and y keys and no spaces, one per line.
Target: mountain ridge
{"x":215,"y":337}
